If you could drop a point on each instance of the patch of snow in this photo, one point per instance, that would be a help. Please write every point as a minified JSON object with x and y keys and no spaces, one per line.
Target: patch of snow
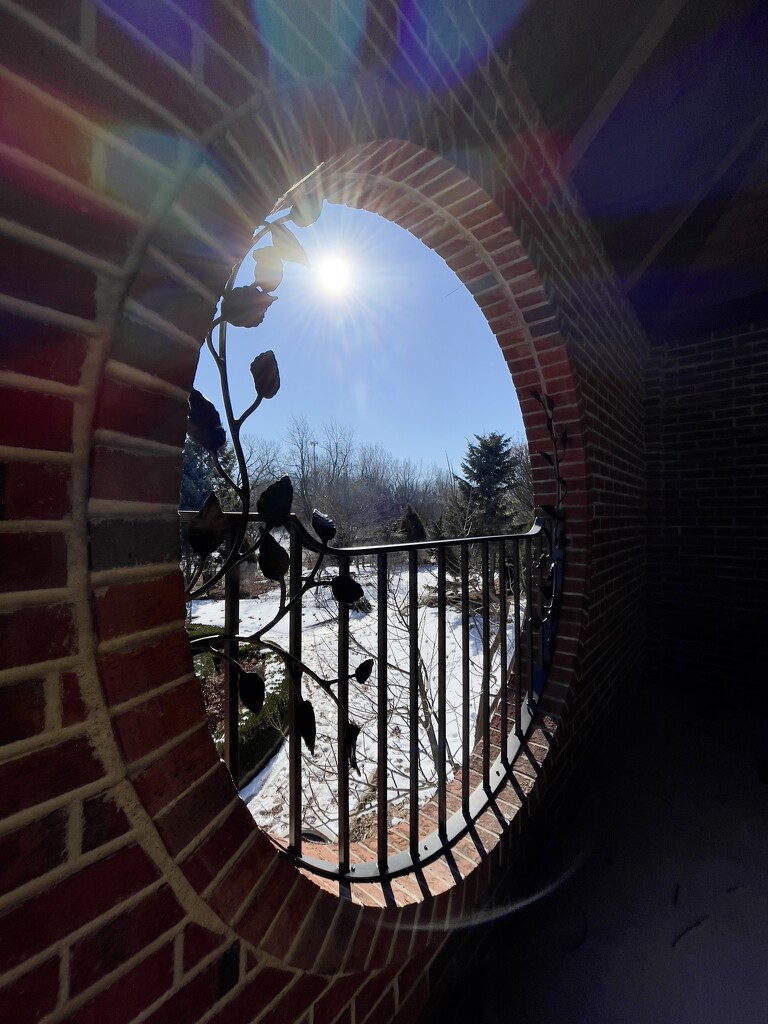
{"x":267,"y":795}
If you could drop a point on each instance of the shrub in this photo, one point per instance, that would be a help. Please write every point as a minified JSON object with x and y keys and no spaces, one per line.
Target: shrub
{"x":260,"y":735}
{"x":206,"y":664}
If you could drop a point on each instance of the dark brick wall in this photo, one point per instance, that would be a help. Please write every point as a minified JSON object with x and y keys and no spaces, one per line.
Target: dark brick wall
{"x":707,"y":405}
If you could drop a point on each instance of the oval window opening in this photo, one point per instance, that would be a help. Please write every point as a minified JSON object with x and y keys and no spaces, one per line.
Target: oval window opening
{"x":390,"y":658}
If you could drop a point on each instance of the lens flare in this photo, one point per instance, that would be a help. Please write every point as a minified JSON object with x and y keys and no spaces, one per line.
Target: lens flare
{"x":333,"y":274}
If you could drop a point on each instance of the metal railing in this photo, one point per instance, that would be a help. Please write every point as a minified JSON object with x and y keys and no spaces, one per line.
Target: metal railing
{"x":460,"y":632}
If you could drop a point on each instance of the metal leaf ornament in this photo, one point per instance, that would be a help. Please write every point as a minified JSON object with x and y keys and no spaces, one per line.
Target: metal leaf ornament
{"x":306,"y":210}
{"x":346,"y":590}
{"x":305,"y":723}
{"x":208,"y":530}
{"x":363,"y":670}
{"x":323,"y":525}
{"x":273,"y":558}
{"x":268,"y":271}
{"x":288,"y":246}
{"x":250,"y":687}
{"x":204,"y":423}
{"x":245,"y":307}
{"x":274,"y":504}
{"x":351,"y":732}
{"x":266,"y":375}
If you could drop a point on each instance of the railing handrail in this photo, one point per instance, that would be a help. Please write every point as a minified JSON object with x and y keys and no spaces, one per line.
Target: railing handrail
{"x":308,"y":541}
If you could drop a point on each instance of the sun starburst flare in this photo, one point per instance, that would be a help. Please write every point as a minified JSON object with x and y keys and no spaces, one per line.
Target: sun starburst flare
{"x":333,"y":274}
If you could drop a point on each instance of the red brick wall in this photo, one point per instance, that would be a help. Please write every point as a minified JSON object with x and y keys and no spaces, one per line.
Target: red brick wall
{"x":136,"y":154}
{"x":708,"y":409}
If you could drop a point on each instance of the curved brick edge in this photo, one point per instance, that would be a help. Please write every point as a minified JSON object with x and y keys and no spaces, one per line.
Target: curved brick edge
{"x":438,"y":204}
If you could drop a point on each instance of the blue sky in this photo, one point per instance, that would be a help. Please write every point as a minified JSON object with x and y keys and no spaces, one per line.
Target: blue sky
{"x":401,"y":354}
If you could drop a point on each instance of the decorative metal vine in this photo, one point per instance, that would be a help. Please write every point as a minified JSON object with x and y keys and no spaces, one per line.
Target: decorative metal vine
{"x":551,"y":562}
{"x":211,"y":529}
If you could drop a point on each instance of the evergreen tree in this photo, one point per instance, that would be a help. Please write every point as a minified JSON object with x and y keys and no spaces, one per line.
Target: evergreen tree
{"x":411,"y":524}
{"x":491,"y":469}
{"x":198,"y":476}
{"x":198,"y":479}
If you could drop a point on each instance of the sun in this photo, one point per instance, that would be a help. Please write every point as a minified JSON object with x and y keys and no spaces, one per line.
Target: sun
{"x":333,"y":274}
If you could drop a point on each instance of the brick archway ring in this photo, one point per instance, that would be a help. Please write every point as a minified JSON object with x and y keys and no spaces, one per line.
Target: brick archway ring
{"x":233,"y":867}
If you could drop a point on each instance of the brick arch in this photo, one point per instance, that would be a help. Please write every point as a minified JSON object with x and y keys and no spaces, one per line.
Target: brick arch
{"x":210,"y":845}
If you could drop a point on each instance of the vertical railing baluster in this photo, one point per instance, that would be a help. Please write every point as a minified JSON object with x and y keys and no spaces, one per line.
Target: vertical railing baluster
{"x":465,"y":739}
{"x":485,"y":698}
{"x":413,"y":674}
{"x":540,"y":609}
{"x":516,"y":587}
{"x":343,"y":695}
{"x":503,"y":667}
{"x":294,"y":693}
{"x":231,"y":649}
{"x":530,"y":611}
{"x":442,"y":742}
{"x":381,"y":777}
{"x":551,"y":577}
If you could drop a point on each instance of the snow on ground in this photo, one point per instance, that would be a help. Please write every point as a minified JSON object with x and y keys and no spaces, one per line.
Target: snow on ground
{"x":267,"y":795}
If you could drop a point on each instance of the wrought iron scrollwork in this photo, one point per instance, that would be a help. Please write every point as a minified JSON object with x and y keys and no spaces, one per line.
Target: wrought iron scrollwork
{"x":550,"y":575}
{"x":211,"y":529}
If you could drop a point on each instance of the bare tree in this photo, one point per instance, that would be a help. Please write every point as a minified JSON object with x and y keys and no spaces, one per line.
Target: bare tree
{"x":363,"y":487}
{"x":521,"y":501}
{"x":376,"y":506}
{"x":337,"y":452}
{"x":301,"y":462}
{"x":264,"y":460}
